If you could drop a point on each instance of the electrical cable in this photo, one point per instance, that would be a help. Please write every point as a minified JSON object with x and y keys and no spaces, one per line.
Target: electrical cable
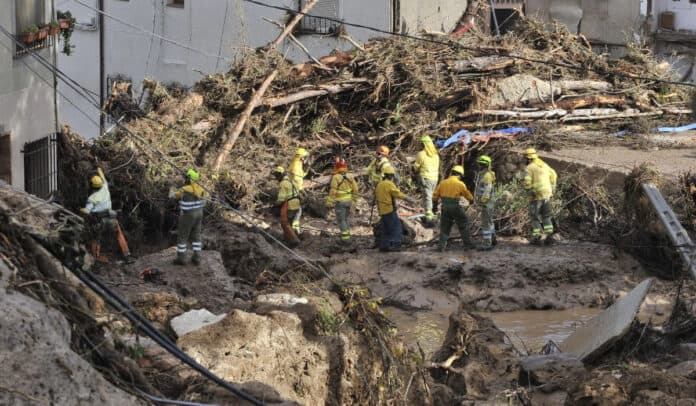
{"x":462,"y":46}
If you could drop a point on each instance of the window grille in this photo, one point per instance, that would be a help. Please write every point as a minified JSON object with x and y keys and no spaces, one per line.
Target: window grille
{"x":41,"y":166}
{"x":319,"y":25}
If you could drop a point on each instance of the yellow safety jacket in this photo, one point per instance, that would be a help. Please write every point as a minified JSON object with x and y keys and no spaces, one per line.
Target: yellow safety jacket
{"x":428,"y":164}
{"x":288,"y":192}
{"x":386,"y":194}
{"x":485,"y":181}
{"x":190,"y":197}
{"x":376,"y":168}
{"x":451,"y":189}
{"x":540,"y":180}
{"x":343,"y":188}
{"x":297,"y":173}
{"x":100,"y":201}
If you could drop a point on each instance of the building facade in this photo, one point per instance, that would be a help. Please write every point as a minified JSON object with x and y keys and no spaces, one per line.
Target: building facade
{"x":28,"y":109}
{"x":182,"y":40}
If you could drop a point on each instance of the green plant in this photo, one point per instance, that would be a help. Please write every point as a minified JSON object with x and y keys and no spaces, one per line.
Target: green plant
{"x":327,"y":321}
{"x":32,"y":29}
{"x":66,"y":33}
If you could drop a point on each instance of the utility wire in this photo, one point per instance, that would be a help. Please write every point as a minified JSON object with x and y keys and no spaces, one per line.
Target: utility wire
{"x":462,"y":46}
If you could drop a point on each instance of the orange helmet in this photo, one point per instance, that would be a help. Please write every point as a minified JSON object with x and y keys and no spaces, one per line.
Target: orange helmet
{"x":383,"y":150}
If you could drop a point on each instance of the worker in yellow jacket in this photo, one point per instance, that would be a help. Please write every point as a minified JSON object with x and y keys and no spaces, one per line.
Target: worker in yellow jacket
{"x":450,"y":191}
{"x":288,"y":200}
{"x":389,"y":232}
{"x":485,"y":184}
{"x":191,"y":204}
{"x":381,"y":161}
{"x":102,"y":221}
{"x":540,"y":182}
{"x":342,"y":193}
{"x":427,"y":168}
{"x":297,"y":170}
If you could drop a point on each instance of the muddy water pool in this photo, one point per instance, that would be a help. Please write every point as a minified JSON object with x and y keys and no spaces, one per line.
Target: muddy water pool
{"x":526,"y":329}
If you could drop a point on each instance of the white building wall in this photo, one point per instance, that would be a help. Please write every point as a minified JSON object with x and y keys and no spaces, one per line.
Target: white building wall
{"x":684,"y":12}
{"x":440,"y":15}
{"x":26,"y":103}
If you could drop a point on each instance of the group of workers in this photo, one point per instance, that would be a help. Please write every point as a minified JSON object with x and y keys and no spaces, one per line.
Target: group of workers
{"x":539,"y":181}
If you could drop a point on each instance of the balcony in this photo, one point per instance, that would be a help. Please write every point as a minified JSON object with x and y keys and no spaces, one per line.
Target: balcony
{"x":34,"y":46}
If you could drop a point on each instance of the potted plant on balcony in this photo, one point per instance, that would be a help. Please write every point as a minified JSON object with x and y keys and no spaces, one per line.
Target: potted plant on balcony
{"x":53,"y":28}
{"x":41,"y":32}
{"x":66,"y":20}
{"x":67,"y":32}
{"x":29,"y":35}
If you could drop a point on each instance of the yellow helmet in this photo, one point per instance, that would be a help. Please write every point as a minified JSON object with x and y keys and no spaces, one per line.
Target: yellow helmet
{"x":193,"y":175}
{"x":301,"y":152}
{"x":484,"y":160}
{"x":279,"y":169}
{"x":383,"y":150}
{"x":458,"y":169}
{"x":530,"y":152}
{"x":426,"y":139}
{"x":96,"y":181}
{"x":388,"y":170}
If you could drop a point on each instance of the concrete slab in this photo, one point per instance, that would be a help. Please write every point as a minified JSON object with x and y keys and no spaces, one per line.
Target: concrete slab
{"x":194,"y":320}
{"x":604,"y":329}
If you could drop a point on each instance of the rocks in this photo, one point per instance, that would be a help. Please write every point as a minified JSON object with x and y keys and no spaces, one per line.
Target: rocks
{"x":281,"y":299}
{"x":39,"y":366}
{"x":557,"y":398}
{"x":686,"y":351}
{"x":551,"y":372}
{"x":194,"y":320}
{"x":601,"y":331}
{"x":158,"y":306}
{"x":686,"y":369}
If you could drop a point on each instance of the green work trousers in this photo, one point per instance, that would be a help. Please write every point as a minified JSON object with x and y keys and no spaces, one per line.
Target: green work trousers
{"x":428,"y":190}
{"x":453,"y":213}
{"x":342,"y":215}
{"x":189,"y":230}
{"x":487,"y":226}
{"x":540,"y":215}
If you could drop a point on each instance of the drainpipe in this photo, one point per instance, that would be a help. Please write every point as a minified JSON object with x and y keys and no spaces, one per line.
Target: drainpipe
{"x":102,"y":77}
{"x":54,"y":59}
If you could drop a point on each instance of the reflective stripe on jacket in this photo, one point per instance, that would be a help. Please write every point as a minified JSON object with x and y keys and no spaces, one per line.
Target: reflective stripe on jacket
{"x":190,"y":197}
{"x":385,"y":194}
{"x":452,"y":188}
{"x":485,"y":181}
{"x":343,"y":188}
{"x":376,"y":169}
{"x":428,"y":167}
{"x":288,"y":192}
{"x":540,"y":180}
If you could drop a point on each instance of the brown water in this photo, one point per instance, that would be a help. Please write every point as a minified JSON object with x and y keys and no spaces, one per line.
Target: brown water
{"x":528,"y":330}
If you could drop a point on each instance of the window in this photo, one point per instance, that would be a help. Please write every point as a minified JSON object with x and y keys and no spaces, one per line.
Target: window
{"x":41,"y":166}
{"x":175,"y":3}
{"x":29,"y":15}
{"x":5,"y":158}
{"x":318,"y":25}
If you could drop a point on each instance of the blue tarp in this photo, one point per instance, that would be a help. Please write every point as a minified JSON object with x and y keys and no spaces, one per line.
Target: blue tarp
{"x":467,"y":135}
{"x":677,"y":129}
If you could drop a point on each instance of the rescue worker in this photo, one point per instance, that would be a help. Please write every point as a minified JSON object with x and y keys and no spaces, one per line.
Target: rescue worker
{"x":376,"y":168}
{"x":540,"y":182}
{"x":386,"y":194}
{"x":104,"y":223}
{"x":298,"y":168}
{"x":449,"y":191}
{"x":485,"y":184}
{"x":289,"y":202}
{"x":343,"y":192}
{"x":191,"y":204}
{"x":427,"y":167}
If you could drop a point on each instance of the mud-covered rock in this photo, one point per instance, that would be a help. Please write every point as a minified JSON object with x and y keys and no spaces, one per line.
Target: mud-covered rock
{"x":686,"y":369}
{"x":551,"y":372}
{"x":158,"y":306}
{"x":557,"y":398}
{"x":685,"y":351}
{"x":39,"y":367}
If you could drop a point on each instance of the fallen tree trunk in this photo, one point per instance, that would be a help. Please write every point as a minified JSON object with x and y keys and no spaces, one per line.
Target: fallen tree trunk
{"x":313,"y":91}
{"x":542,"y":114}
{"x":574,"y":103}
{"x":566,"y":85}
{"x":604,"y":114}
{"x":255,"y":101}
{"x":482,"y":64}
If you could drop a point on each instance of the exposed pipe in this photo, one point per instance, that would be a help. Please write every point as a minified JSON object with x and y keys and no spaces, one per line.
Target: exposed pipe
{"x":102,"y":78}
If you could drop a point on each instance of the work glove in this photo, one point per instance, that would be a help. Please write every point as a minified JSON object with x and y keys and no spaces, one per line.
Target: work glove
{"x":84,"y":211}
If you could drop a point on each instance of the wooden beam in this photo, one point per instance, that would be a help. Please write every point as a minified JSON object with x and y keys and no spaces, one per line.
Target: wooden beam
{"x":288,"y":28}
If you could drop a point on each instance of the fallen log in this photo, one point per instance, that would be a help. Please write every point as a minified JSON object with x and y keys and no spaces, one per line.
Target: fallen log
{"x":313,"y":91}
{"x":542,"y":114}
{"x":566,"y":85}
{"x":482,"y":64}
{"x":574,"y":103}
{"x":604,"y":114}
{"x":255,"y":101}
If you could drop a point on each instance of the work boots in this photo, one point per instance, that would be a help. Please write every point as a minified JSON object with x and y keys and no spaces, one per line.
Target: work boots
{"x":196,"y":258}
{"x":536,"y":240}
{"x":96,"y":253}
{"x":486,"y":245}
{"x":180,"y":259}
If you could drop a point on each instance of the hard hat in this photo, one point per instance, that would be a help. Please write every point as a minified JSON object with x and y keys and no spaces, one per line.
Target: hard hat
{"x":426,"y":139}
{"x":458,"y":169}
{"x":279,"y":169}
{"x":193,"y":175}
{"x":340,"y":164}
{"x":301,"y":152}
{"x":388,"y":170}
{"x":530,"y":152}
{"x":96,"y":181}
{"x":383,"y":150}
{"x":485,"y":160}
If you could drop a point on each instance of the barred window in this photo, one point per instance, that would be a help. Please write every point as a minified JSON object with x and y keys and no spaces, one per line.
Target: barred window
{"x":319,"y":25}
